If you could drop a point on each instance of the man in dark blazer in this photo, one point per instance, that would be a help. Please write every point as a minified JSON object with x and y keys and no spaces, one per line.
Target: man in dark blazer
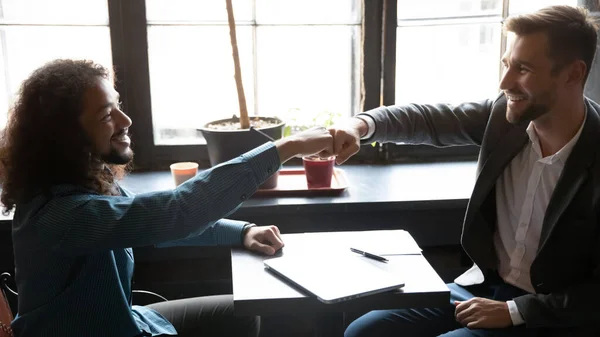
{"x":531,"y":226}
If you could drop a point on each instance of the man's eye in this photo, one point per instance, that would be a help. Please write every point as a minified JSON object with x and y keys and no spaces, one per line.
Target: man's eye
{"x":523,"y":69}
{"x":107,"y":117}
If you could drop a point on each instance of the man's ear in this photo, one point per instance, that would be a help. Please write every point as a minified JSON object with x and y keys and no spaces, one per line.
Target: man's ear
{"x":576,"y":73}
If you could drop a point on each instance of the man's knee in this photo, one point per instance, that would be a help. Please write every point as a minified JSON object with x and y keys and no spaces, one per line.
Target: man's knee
{"x":408,"y":322}
{"x":375,"y":323}
{"x":247,"y":326}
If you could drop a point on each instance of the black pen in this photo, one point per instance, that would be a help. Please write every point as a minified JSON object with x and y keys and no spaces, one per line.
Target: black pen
{"x":369,"y":255}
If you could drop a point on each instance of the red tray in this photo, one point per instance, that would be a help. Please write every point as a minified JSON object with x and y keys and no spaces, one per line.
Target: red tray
{"x":292,"y":182}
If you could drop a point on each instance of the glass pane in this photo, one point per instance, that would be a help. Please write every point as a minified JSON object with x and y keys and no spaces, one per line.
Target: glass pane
{"x":447,"y":64}
{"x":307,"y":75}
{"x":196,"y":10}
{"x":55,"y":11}
{"x":526,"y":6}
{"x":308,"y":11}
{"x":28,"y":48}
{"x":4,"y":93}
{"x":413,"y":9}
{"x":192,"y":79}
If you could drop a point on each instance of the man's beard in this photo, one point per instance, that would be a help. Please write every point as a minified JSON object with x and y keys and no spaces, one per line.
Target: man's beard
{"x":531,"y":113}
{"x":538,"y":108}
{"x":118,"y":158}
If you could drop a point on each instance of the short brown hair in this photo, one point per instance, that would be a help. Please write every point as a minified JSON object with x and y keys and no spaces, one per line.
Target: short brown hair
{"x":571,"y":32}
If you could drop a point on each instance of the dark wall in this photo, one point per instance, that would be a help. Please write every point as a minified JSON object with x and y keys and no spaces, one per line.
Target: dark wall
{"x":592,"y":89}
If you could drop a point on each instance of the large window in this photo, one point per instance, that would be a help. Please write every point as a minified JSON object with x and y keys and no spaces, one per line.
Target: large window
{"x":33,"y":32}
{"x":308,"y":62}
{"x":298,"y":63}
{"x":449,"y":51}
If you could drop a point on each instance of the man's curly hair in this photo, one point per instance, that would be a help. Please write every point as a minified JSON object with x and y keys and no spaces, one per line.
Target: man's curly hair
{"x":44,"y":143}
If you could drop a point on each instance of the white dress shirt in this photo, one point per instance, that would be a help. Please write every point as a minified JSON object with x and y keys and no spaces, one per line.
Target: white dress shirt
{"x":523,"y":192}
{"x":370,"y":125}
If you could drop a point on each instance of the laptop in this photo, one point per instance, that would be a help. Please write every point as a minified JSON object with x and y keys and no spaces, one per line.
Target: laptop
{"x":335,"y":278}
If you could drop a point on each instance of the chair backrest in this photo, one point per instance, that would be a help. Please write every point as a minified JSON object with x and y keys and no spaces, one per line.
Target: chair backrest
{"x":5,"y":317}
{"x":5,"y":313}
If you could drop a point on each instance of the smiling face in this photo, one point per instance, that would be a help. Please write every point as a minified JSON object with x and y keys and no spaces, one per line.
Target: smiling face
{"x":105,"y":124}
{"x":529,"y":81}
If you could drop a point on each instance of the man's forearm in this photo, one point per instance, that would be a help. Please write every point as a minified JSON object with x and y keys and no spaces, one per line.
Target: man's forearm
{"x":439,"y":125}
{"x":224,"y":232}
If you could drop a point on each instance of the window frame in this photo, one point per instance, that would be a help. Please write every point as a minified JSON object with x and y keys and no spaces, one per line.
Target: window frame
{"x":128,"y":26}
{"x":128,"y":29}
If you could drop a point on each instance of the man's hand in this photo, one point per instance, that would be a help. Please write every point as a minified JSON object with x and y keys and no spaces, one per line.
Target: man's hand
{"x":482,"y":313}
{"x":346,"y":138}
{"x":317,"y":140}
{"x":264,"y":239}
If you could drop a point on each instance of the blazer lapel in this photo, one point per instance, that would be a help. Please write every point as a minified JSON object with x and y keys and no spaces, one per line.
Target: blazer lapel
{"x":574,"y":174}
{"x":510,"y":144}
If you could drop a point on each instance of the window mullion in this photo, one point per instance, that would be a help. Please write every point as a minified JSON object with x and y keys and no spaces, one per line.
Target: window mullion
{"x":255,"y":58}
{"x":505,"y":7}
{"x":390,"y":27}
{"x":129,"y":40}
{"x":371,"y":54}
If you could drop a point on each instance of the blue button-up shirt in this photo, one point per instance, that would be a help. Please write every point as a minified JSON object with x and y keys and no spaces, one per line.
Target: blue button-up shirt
{"x":74,"y":264}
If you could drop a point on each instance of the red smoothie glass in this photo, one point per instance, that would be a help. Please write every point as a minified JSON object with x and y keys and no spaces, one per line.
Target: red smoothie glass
{"x":318,"y":171}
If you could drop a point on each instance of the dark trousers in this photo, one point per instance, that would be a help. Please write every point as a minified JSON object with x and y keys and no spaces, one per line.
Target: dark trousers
{"x":207,"y":317}
{"x":439,"y":321}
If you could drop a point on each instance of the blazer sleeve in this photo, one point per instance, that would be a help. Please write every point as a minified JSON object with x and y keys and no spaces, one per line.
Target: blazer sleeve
{"x":81,"y":222}
{"x":575,"y":306}
{"x":439,"y":125}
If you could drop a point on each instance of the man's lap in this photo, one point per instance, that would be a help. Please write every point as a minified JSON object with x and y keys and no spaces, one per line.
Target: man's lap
{"x":207,"y":316}
{"x":428,"y":322}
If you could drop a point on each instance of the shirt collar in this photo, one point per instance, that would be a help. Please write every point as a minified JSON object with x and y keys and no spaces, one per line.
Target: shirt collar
{"x":563,"y":153}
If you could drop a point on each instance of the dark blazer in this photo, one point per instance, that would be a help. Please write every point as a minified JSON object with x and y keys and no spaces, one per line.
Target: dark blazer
{"x":566,"y":270}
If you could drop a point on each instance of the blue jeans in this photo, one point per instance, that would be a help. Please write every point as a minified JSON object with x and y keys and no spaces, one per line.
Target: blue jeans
{"x":438,"y":321}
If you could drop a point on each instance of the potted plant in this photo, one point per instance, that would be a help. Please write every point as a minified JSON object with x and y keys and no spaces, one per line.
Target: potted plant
{"x":231,"y":137}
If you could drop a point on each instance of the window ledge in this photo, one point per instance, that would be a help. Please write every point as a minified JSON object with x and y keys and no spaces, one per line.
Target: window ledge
{"x":370,"y":187}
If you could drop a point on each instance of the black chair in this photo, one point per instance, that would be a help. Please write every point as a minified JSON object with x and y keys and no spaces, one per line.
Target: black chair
{"x":141,"y":297}
{"x":6,"y":314}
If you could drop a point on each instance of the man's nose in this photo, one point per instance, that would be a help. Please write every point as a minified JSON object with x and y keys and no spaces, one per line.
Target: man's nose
{"x":508,"y":81}
{"x":123,"y":119}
